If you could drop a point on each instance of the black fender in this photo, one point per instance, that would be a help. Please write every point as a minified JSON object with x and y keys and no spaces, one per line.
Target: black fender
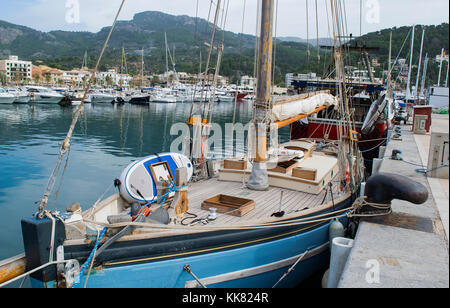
{"x":384,"y":187}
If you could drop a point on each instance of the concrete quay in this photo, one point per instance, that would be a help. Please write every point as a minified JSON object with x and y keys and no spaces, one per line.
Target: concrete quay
{"x":408,"y":248}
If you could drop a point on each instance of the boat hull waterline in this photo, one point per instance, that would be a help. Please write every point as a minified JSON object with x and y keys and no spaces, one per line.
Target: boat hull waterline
{"x":248,"y":258}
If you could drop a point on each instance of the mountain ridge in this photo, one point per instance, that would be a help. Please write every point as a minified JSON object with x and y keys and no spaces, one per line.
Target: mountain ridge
{"x":186,"y":36}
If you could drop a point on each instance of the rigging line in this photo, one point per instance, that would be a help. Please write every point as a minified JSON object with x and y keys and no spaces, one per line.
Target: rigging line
{"x":211,"y":46}
{"x":64,"y":146}
{"x":308,"y":53}
{"x":62,"y":177}
{"x":329,"y":31}
{"x":401,"y":49}
{"x":317,"y":32}
{"x":220,"y":50}
{"x":240,"y":39}
{"x":275,"y":49}
{"x":257,"y":38}
{"x":207,"y":112}
{"x":225,"y":21}
{"x":196,"y":25}
{"x":207,"y":21}
{"x":239,"y":67}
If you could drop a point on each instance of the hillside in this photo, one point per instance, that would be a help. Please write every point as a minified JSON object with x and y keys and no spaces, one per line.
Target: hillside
{"x":436,"y":38}
{"x":65,"y":50}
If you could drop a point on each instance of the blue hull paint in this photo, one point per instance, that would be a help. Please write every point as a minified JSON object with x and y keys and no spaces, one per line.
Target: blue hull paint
{"x":170,"y":273}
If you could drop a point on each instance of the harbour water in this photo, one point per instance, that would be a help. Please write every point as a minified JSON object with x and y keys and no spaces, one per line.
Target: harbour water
{"x":106,"y":139}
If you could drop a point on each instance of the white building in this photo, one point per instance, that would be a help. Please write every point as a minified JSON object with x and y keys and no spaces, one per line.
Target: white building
{"x":247,"y":81}
{"x":439,"y":57}
{"x":16,"y":70}
{"x":115,"y":78}
{"x":291,"y":76}
{"x":77,"y":77}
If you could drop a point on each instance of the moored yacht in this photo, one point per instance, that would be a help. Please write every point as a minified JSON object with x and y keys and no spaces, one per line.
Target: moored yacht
{"x":22,"y":97}
{"x":101,"y":96}
{"x":6,"y":98}
{"x":43,"y":95}
{"x":77,"y":96}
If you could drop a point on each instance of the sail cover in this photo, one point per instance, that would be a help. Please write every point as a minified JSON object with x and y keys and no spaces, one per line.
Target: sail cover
{"x":303,"y":105}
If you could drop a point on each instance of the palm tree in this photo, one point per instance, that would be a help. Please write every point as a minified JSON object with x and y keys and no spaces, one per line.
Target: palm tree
{"x":3,"y":78}
{"x":37,"y":79}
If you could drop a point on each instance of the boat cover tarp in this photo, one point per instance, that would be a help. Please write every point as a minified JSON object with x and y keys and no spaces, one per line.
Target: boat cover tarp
{"x":307,"y":105}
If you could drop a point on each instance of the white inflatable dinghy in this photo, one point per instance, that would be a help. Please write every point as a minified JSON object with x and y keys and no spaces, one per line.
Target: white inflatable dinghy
{"x":138,"y":181}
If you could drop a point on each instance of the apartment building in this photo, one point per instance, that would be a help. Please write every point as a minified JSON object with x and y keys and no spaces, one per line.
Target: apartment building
{"x":16,"y":70}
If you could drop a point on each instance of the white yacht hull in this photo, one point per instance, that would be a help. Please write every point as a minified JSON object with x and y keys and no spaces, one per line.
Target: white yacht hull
{"x":22,"y":99}
{"x":7,"y":99}
{"x":101,"y":99}
{"x":46,"y":99}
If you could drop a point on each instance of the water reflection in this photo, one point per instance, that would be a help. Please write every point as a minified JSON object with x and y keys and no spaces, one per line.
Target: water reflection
{"x":106,"y":139}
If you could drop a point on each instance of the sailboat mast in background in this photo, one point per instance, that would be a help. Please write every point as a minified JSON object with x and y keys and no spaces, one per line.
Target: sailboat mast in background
{"x":408,"y":85}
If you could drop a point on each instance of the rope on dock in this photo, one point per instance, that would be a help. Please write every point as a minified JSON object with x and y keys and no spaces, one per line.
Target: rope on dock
{"x":383,"y":209}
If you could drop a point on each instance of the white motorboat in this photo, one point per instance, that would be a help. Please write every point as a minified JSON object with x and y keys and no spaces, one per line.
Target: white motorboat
{"x":22,"y":97}
{"x":6,"y":98}
{"x":165,"y":96}
{"x":224,"y":98}
{"x":101,"y":96}
{"x":42,"y":95}
{"x":77,"y":96}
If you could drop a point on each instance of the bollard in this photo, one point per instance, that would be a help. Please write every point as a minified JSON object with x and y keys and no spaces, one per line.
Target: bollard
{"x":341,"y":248}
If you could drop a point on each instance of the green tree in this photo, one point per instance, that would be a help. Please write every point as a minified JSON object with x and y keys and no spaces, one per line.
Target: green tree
{"x":109,"y":81}
{"x":3,"y":78}
{"x":37,"y":79}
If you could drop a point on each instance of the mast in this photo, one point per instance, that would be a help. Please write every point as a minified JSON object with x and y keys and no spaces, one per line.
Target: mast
{"x":424,"y":74}
{"x":416,"y":90}
{"x":440,"y":67}
{"x":121,"y":67}
{"x":389,"y":66}
{"x":408,"y":90}
{"x":259,"y":178}
{"x":84,"y":65}
{"x":167,"y":59}
{"x":446,"y":79}
{"x":142,"y":68}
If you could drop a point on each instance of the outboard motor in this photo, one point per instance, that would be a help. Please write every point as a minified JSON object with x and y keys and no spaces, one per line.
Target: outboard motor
{"x":382,"y":188}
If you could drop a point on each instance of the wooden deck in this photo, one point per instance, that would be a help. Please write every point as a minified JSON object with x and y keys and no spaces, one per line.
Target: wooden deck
{"x":267,"y":202}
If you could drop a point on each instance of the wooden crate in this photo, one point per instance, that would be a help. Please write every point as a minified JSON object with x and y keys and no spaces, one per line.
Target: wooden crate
{"x":305,"y":173}
{"x":285,"y":167}
{"x":230,"y":205}
{"x":235,"y":164}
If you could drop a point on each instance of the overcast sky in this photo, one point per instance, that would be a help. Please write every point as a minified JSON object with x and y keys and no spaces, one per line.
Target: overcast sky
{"x":46,"y":15}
